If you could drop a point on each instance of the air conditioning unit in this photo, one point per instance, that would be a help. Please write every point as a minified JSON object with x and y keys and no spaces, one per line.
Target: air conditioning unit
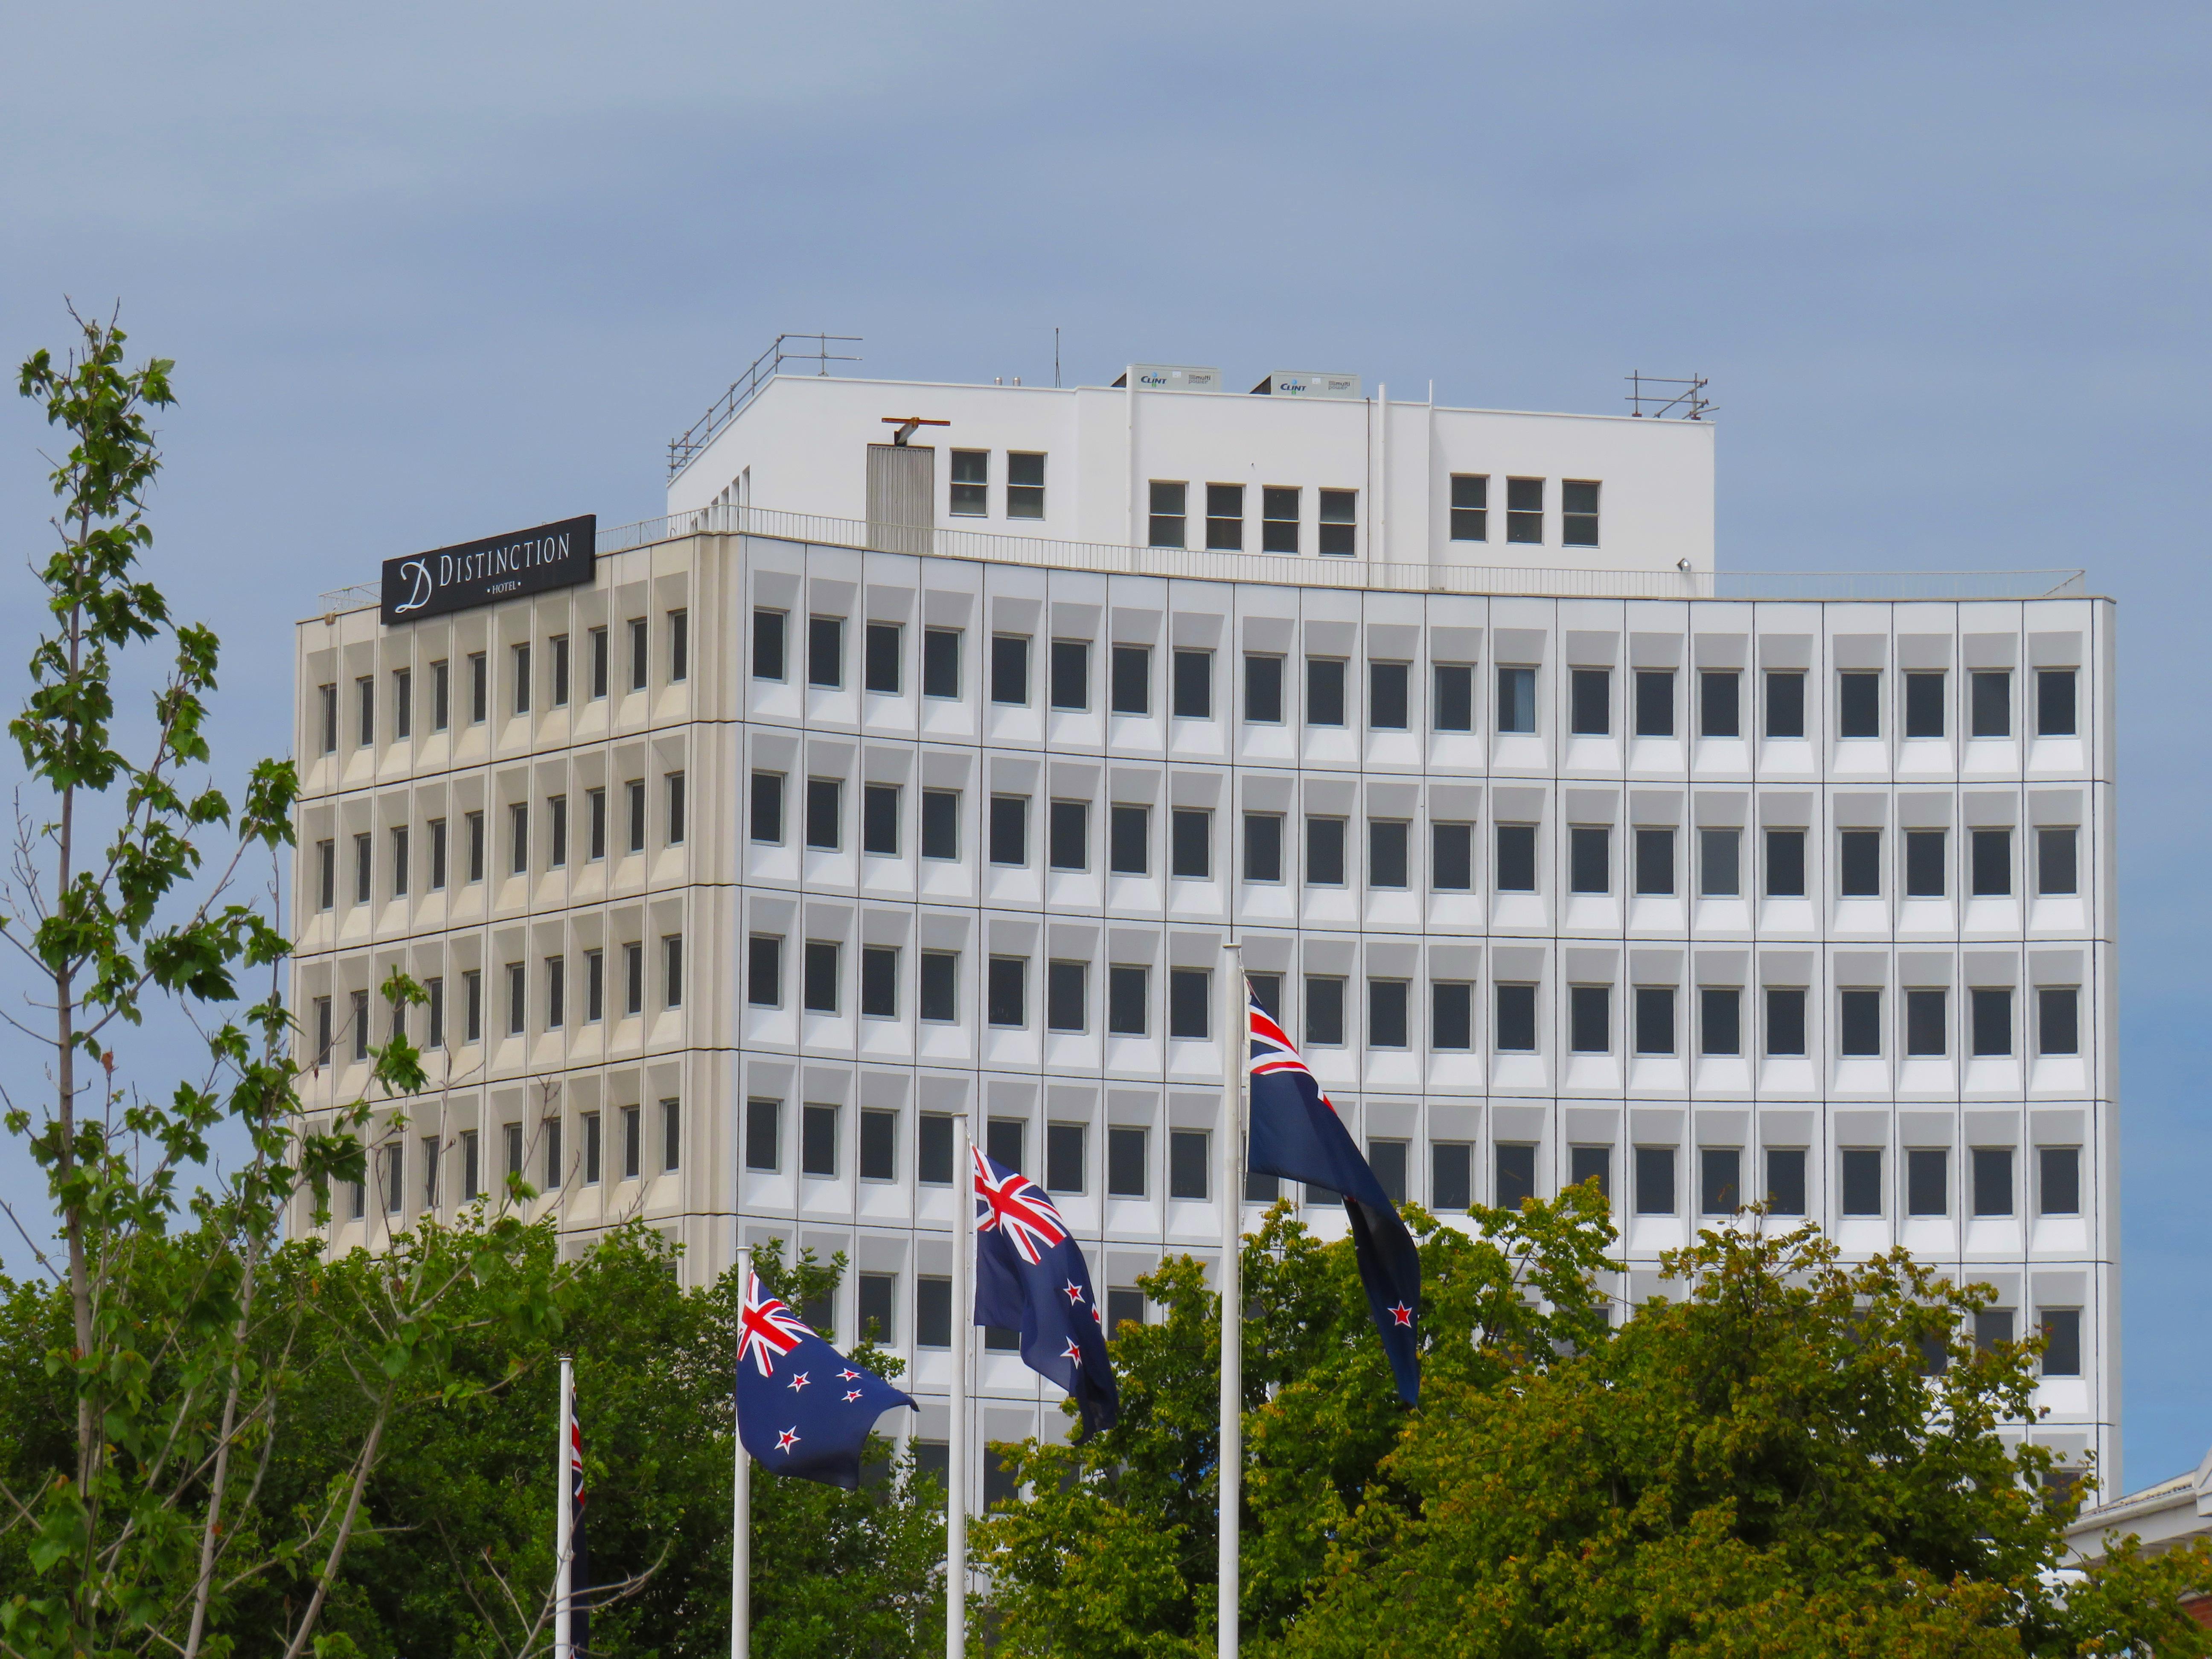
{"x":1171,"y":377}
{"x":1309,"y":383}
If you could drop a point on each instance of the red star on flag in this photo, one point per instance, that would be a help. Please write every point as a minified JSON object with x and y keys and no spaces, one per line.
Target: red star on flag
{"x":1402,"y":1313}
{"x":787,"y":1439}
{"x":798,"y":1381}
{"x":851,"y":1397}
{"x":848,"y":1375}
{"x":1071,"y":1351}
{"x":1075,"y":1291}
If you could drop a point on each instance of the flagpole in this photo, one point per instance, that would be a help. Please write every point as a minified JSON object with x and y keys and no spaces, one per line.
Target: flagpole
{"x":741,"y":1499}
{"x":1235,"y":1051}
{"x":564,"y":1515}
{"x":956,"y":1439}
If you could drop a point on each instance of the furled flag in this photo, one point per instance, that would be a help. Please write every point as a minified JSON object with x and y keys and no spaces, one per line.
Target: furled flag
{"x":580,"y":1557}
{"x":1297,"y":1133}
{"x":803,"y":1407}
{"x":1030,"y":1277}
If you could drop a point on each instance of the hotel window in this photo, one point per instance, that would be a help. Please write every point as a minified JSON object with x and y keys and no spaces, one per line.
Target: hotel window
{"x":322,"y":1030}
{"x":2054,"y":702}
{"x":1190,"y":999}
{"x":1785,"y":704}
{"x":1859,"y":866}
{"x":1861,"y":1024}
{"x":591,"y":1149}
{"x":399,"y":860}
{"x":971,"y":484}
{"x":1324,"y":852}
{"x":1128,"y":1000}
{"x":766,"y":808}
{"x":403,"y":703}
{"x":365,"y":728}
{"x":361,"y":1025}
{"x":327,"y":858}
{"x":1992,"y":1009}
{"x":1720,"y":1180}
{"x":2062,"y":1341}
{"x":2058,"y":1019}
{"x":1720,"y":1020}
{"x":479,"y":688}
{"x":1454,"y":707}
{"x":556,"y":992}
{"x":879,"y":819}
{"x":633,"y":977}
{"x":1590,"y":859}
{"x":1655,"y":703}
{"x":1128,"y":839}
{"x":1785,"y":864}
{"x":2058,"y":1183}
{"x":1785,"y":1179}
{"x":1655,"y":862}
{"x":474,"y":823}
{"x":1263,"y":846}
{"x":1858,"y":704}
{"x":1451,"y":1175}
{"x":1324,"y":1010}
{"x":1719,"y":704}
{"x":1991,"y":856}
{"x":940,"y":823}
{"x":1470,"y":506}
{"x":1720,"y":863}
{"x":878,"y":1148}
{"x":1589,"y":1019}
{"x":1067,"y":835}
{"x":1515,"y":1017}
{"x":472,"y":1006}
{"x":522,"y":678}
{"x":875,"y":1294}
{"x":1224,"y":518}
{"x":1655,"y":1180}
{"x":1451,"y":1014}
{"x":1989,"y":703}
{"x":672,"y":1134}
{"x":674,"y":781}
{"x":938,"y":992}
{"x":437,"y":855}
{"x":517,"y":1006}
{"x":599,"y":638}
{"x":1006,"y":991}
{"x":767,"y":645}
{"x":1524,"y":510}
{"x":825,"y":652}
{"x":1389,"y":852}
{"x":1517,"y":858}
{"x":1338,"y":532}
{"x":1187,"y":1163}
{"x":819,"y":977}
{"x":1516,"y":700}
{"x":1010,"y":669}
{"x":1451,"y":857}
{"x":1655,"y":1019}
{"x":1992,"y":1178}
{"x":1278,"y":520}
{"x":560,"y":644}
{"x":1263,"y":689}
{"x":361,"y":856}
{"x":1191,"y":690}
{"x":1390,"y":1012}
{"x":1066,"y":996}
{"x":1071,"y":674}
{"x":1587,"y":1163}
{"x":940,"y":662}
{"x":1129,"y":677}
{"x":1578,"y":512}
{"x":826,"y":814}
{"x":1589,"y":702}
{"x":1064,"y":1170}
{"x":595,"y":987}
{"x":1861,"y":1180}
{"x":1927,"y":1023}
{"x":2054,"y":868}
{"x":633,"y":1125}
{"x":557,"y":829}
{"x":1024,"y":485}
{"x":1126,"y":1161}
{"x":1786,"y":1019}
{"x":1010,"y":829}
{"x":641,"y":663}
{"x":1190,"y":843}
{"x":1166,"y":516}
{"x":330,"y":698}
{"x":880,"y":658}
{"x":1924,"y":703}
{"x":518,"y":838}
{"x":1324,"y":691}
{"x":1388,"y":694}
{"x":1924,"y":863}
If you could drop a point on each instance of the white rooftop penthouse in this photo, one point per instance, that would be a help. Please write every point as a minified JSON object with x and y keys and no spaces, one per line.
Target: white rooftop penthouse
{"x":1154,"y":461}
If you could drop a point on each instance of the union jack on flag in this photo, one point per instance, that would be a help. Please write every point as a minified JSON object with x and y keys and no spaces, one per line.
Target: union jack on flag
{"x":1274,"y":1051}
{"x":767,"y":1328}
{"x":1011,"y":1204}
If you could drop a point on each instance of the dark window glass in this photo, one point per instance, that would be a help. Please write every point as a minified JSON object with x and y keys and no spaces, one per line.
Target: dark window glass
{"x":1719,"y":713}
{"x":1655,"y":1180}
{"x":1128,"y":849}
{"x":1991,"y":854}
{"x":1128,"y":1006}
{"x":1267,"y":992}
{"x":1010,"y":829}
{"x":1861,"y":1023}
{"x":879,"y":819}
{"x":1924,"y":863}
{"x":879,"y":982}
{"x":1591,"y":1164}
{"x":1125,"y":1161}
{"x":1990,"y":694}
{"x":1453,"y":695}
{"x":1720,"y":1180}
{"x":679,"y":647}
{"x":1324,"y":852}
{"x":1927,"y":1181}
{"x":1924,"y":705}
{"x":1992,"y":1167}
{"x":1589,"y":1019}
{"x":1167,"y":501}
{"x":1720,"y":863}
{"x":1263,"y":689}
{"x":1130,"y":670}
{"x":1720,"y":1020}
{"x":1992,"y":1020}
{"x":1859,"y":866}
{"x":1786,"y":1019}
{"x":940,"y":823}
{"x":1339,"y":523}
{"x":1785,"y":703}
{"x":1785,"y":864}
{"x":938,"y":992}
{"x":1861,"y":1180}
{"x":820,"y":991}
{"x":1324,"y":691}
{"x":2062,"y":1341}
{"x":1071,"y":673}
{"x":2054,"y":702}
{"x":2055,"y":861}
{"x":1590,"y":859}
{"x":1785,"y":1179}
{"x":1516,"y":700}
{"x":818,"y":1140}
{"x":1194,"y":685}
{"x":876,"y":1294}
{"x":940,"y":662}
{"x":1524,"y":510}
{"x":825,"y":652}
{"x":1516,"y":1173}
{"x":1578,"y":513}
{"x":1024,"y":485}
{"x":1063,"y":1158}
{"x":641,"y":665}
{"x":1324,"y":1010}
{"x":1190,"y":998}
{"x":1655,"y":703}
{"x":1927,"y":1023}
{"x":1451,"y":856}
{"x":1278,"y":520}
{"x":2058,"y":1019}
{"x":1224,"y":518}
{"x":1009,"y":668}
{"x":762,"y":1125}
{"x":1387,"y":852}
{"x":1451,"y":1014}
{"x":881,"y":669}
{"x":825,"y":812}
{"x":1190,"y":843}
{"x":1263,"y":846}
{"x":1006,"y":992}
{"x":1516,"y":1018}
{"x":1858,"y":705}
{"x":1655,"y":1019}
{"x":1388,"y":1013}
{"x":1066,"y":996}
{"x":1386,"y":696}
{"x":1451,"y":1176}
{"x":2059,"y":1186}
{"x":1067,"y":835}
{"x":1517,"y":858}
{"x":764,"y":972}
{"x":1470,"y":504}
{"x":971,"y":484}
{"x":932,"y":1328}
{"x":1589,"y":702}
{"x":1655,"y":861}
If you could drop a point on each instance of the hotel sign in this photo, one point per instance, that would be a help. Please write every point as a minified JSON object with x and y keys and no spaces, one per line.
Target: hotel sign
{"x":497,"y":568}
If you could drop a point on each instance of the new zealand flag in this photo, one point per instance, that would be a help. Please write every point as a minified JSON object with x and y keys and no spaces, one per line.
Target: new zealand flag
{"x":803,"y":1407}
{"x":1297,"y":1133}
{"x":1030,"y":1277}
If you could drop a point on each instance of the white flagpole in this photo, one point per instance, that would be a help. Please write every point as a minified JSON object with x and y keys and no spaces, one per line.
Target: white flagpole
{"x":955,"y":1447}
{"x":564,"y":1514}
{"x":741,"y":1500}
{"x":1235,"y":1051}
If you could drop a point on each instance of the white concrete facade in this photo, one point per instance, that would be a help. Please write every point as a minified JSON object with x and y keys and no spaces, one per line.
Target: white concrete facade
{"x":1608,"y":1037}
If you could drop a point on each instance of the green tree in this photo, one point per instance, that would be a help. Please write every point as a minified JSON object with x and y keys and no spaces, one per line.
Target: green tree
{"x":1764,"y":1467}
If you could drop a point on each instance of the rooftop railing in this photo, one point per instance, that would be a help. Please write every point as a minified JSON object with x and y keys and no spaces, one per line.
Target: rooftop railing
{"x":1425,"y":576}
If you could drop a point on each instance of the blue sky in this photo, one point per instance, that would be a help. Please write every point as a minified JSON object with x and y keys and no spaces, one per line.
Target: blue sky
{"x":431,"y":271}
